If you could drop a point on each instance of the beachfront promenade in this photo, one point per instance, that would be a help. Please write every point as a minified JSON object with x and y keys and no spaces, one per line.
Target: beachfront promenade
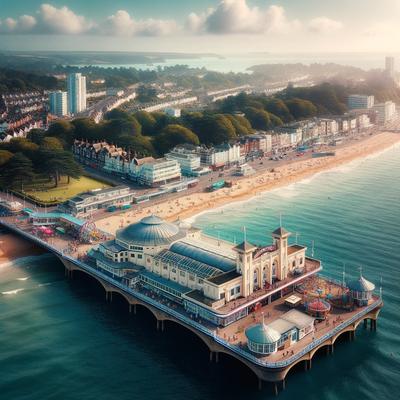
{"x":274,"y":370}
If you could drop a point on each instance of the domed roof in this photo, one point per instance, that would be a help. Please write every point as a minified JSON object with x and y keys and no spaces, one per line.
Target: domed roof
{"x":262,"y":334}
{"x":150,"y":231}
{"x":319,"y":305}
{"x":361,"y":285}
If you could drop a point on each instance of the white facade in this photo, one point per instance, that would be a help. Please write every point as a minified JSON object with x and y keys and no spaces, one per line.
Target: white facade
{"x":386,"y":112}
{"x":58,"y":103}
{"x":221,"y":155}
{"x":173,"y":112}
{"x":188,"y":159}
{"x":76,"y":84}
{"x":153,"y":172}
{"x":328,"y":127}
{"x":356,"y":101}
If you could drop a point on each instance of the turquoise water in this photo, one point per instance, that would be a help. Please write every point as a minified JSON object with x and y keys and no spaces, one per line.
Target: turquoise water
{"x":60,"y":340}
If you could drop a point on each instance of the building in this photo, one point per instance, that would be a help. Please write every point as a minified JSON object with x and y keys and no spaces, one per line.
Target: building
{"x":86,"y":203}
{"x":189,"y":160}
{"x":205,"y":275}
{"x":385,"y":112}
{"x":58,"y":103}
{"x":328,"y":127}
{"x":221,"y":155}
{"x":154,"y":172}
{"x":358,"y":101}
{"x":255,"y":145}
{"x":173,"y":112}
{"x":76,"y":85}
{"x":361,"y":290}
{"x":390,"y":67}
{"x":283,"y":332}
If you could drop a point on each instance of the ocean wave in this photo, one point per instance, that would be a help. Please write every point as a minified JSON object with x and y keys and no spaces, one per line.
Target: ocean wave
{"x":23,"y":279}
{"x":10,"y":292}
{"x":22,"y":261}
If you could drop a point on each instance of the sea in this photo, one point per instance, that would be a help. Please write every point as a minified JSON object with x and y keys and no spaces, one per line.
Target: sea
{"x":241,"y":62}
{"x":59,"y":339}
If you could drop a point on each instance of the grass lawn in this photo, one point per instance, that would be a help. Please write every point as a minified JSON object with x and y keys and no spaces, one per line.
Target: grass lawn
{"x":45,"y":191}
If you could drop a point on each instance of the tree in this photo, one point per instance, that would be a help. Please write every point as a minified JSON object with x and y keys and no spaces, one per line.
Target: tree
{"x":301,"y":108}
{"x":60,"y":163}
{"x":84,"y":128}
{"x":172,"y":135}
{"x":5,"y":157}
{"x":214,"y":129}
{"x":63,"y":130}
{"x":147,"y":121}
{"x":259,"y":119}
{"x":52,"y":144}
{"x":36,"y":136}
{"x":241,"y":124}
{"x":19,"y":171}
{"x":278,"y":108}
{"x":138,"y":145}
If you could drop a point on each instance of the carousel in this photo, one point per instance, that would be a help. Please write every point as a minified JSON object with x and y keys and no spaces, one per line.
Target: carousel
{"x":318,"y":308}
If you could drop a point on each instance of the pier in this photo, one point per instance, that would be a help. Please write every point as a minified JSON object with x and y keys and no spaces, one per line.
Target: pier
{"x":272,"y":368}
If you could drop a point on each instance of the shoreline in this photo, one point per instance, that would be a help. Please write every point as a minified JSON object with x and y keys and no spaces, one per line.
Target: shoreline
{"x":191,"y":206}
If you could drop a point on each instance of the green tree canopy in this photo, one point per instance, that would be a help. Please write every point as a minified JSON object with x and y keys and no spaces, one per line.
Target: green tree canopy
{"x":63,"y":130}
{"x":5,"y":157}
{"x":173,"y":135}
{"x":19,"y":171}
{"x":147,"y":121}
{"x":138,"y":145}
{"x":301,"y":108}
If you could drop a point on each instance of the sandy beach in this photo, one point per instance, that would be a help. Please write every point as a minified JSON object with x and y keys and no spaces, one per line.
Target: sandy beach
{"x":190,"y":205}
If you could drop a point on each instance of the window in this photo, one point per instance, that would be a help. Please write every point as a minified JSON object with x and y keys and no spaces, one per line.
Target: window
{"x":165,"y":267}
{"x":232,"y":291}
{"x":237,"y":289}
{"x":294,"y":263}
{"x":182,"y":273}
{"x":301,"y":260}
{"x":140,"y":256}
{"x":191,"y":277}
{"x":173,"y":270}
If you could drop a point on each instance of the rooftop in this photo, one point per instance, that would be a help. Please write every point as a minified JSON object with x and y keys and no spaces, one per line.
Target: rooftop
{"x":223,"y":278}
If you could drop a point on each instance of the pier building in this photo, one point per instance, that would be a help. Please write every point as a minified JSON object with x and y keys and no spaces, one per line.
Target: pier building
{"x":219,"y":282}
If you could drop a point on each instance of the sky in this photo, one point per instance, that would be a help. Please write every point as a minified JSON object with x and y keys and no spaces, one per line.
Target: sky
{"x":201,"y":26}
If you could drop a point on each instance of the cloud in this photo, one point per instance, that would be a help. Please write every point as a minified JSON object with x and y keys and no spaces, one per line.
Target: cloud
{"x":122,"y":24}
{"x":61,"y":21}
{"x":23,"y":24}
{"x":236,"y":16}
{"x":324,"y":25}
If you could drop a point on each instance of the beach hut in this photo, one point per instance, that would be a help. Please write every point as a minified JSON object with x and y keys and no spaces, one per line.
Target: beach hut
{"x":361,"y":290}
{"x":318,"y":308}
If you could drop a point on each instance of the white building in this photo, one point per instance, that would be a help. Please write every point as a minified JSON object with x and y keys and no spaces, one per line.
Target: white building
{"x":357,"y":101}
{"x":76,"y":84}
{"x":389,"y":67}
{"x":328,"y":127}
{"x":187,"y":157}
{"x":220,"y":155}
{"x":385,"y":112}
{"x":173,"y":112}
{"x":154,"y":172}
{"x":58,"y":103}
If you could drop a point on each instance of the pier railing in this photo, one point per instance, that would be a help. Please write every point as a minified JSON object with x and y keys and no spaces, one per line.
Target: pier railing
{"x":186,"y":320}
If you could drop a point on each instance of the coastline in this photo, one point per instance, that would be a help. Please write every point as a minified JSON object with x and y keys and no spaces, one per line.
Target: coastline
{"x":190,"y":206}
